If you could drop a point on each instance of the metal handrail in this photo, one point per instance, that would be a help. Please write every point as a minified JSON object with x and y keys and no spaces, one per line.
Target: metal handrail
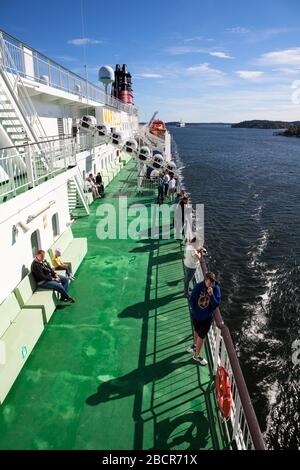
{"x":67,"y":136}
{"x":26,"y":106}
{"x":242,"y":405}
{"x":250,"y":416}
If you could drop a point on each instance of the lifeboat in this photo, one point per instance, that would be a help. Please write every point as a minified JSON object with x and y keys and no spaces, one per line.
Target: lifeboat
{"x":158,"y":128}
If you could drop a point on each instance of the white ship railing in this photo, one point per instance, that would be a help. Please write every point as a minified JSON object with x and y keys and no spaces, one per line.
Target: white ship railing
{"x":34,"y":66}
{"x":19,"y":172}
{"x":242,"y":428}
{"x":19,"y":93}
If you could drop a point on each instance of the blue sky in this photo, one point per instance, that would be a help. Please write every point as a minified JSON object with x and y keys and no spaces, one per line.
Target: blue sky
{"x":197,"y":60}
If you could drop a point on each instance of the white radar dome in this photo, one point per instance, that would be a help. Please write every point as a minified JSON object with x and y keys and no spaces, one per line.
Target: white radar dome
{"x":106,"y":75}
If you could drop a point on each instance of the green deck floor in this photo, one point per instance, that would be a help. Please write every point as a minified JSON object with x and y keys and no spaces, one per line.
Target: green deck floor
{"x":111,"y":371}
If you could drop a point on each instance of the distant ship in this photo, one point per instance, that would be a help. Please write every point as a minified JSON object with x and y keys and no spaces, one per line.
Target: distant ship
{"x":180,"y":124}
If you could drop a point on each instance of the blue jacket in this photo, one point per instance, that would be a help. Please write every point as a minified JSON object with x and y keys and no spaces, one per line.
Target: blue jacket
{"x":207,"y":303}
{"x":160,"y":182}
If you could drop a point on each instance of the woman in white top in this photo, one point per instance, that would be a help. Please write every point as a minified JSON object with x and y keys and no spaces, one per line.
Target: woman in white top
{"x":171,"y":189}
{"x":193,"y":254}
{"x":166,"y":180}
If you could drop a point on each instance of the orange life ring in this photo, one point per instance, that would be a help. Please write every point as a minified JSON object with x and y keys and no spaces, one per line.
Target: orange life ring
{"x":223,"y":390}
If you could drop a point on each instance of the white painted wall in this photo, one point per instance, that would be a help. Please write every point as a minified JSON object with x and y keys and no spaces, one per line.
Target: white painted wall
{"x":16,"y":251}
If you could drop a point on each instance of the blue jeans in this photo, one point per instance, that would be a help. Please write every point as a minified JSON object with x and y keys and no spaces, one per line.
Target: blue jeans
{"x":188,"y":276}
{"x":62,"y":287}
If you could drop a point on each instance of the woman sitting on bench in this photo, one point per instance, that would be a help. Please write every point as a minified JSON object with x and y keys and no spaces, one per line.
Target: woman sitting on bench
{"x":60,"y":265}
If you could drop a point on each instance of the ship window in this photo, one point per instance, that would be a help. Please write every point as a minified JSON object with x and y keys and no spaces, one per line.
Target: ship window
{"x":83,"y":175}
{"x":35,"y":242}
{"x":55,"y":225}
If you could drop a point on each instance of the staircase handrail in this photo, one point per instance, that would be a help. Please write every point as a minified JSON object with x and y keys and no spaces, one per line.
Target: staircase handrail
{"x":26,"y":107}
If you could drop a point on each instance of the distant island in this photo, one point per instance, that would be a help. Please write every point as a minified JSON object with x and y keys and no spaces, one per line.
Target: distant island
{"x":292,"y":131}
{"x":192,"y":124}
{"x":265,"y":124}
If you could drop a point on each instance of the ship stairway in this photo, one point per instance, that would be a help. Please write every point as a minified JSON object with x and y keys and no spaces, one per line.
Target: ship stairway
{"x":76,"y":197}
{"x":19,"y":121}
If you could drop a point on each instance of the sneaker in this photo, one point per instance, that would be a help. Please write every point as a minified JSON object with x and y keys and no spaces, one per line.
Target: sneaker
{"x":201,"y":360}
{"x":191,"y":349}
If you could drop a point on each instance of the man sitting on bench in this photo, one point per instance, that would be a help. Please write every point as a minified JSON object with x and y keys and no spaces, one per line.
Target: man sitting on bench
{"x":46,"y":278}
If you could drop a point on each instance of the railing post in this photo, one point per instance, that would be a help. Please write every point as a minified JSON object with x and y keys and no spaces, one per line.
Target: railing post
{"x":236,"y":417}
{"x":52,"y":156}
{"x":49,"y":73}
{"x":29,"y":167}
{"x":73,"y":150}
{"x":217,"y":349}
{"x":11,"y":175}
{"x":64,"y":155}
{"x":59,"y":78}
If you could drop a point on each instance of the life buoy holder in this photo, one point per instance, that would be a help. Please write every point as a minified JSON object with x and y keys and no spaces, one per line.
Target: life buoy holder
{"x":223,"y":391}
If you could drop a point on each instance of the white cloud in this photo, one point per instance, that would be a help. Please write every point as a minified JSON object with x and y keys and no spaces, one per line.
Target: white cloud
{"x":66,"y":58}
{"x":290,"y":57}
{"x":84,"y":41}
{"x":239,"y":30}
{"x":232,"y":106}
{"x":221,"y":55}
{"x":287,"y":71}
{"x":196,"y":38}
{"x":148,"y":75}
{"x":180,"y":50}
{"x":205,"y":69}
{"x":249,"y":74}
{"x":253,"y":36}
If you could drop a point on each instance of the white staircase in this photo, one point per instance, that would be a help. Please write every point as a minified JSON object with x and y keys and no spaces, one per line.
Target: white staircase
{"x":19,"y":121}
{"x":11,"y":124}
{"x":76,"y":196}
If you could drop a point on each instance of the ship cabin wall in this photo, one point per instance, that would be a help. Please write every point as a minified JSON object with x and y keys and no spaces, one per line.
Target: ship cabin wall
{"x":50,"y":110}
{"x":50,"y":113}
{"x":16,"y":247}
{"x":100,"y":159}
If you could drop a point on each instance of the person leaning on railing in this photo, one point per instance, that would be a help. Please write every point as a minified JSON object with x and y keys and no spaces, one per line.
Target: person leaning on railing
{"x":160,"y":187}
{"x":171,"y":188}
{"x":205,"y":298}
